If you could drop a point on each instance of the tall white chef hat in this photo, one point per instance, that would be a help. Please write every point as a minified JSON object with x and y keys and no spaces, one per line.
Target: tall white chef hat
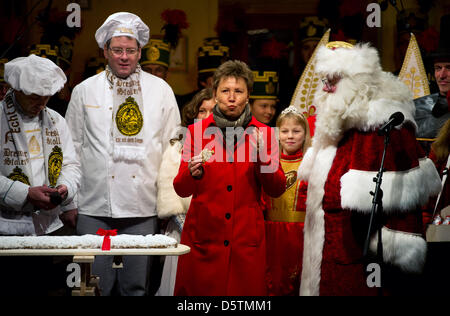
{"x":123,"y":24}
{"x":34,"y":75}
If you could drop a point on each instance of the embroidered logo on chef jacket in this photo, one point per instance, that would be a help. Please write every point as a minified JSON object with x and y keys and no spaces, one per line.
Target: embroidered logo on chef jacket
{"x":18,"y":175}
{"x":34,"y":146}
{"x":55,"y":160}
{"x":129,"y":118}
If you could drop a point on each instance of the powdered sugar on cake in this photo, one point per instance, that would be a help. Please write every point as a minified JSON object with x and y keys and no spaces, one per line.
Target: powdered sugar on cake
{"x":86,"y":242}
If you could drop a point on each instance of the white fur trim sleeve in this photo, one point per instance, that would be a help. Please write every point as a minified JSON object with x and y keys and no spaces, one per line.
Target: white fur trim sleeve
{"x":404,"y":250}
{"x":402,"y":190}
{"x":168,"y":201}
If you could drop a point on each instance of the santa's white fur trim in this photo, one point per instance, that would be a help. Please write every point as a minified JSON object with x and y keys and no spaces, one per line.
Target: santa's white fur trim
{"x":402,"y":190}
{"x":349,"y":62}
{"x":404,"y":250}
{"x":379,"y":112}
{"x":314,"y":230}
{"x":306,"y":165}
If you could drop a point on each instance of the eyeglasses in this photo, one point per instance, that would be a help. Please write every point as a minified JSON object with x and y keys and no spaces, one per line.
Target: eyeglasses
{"x":118,"y":51}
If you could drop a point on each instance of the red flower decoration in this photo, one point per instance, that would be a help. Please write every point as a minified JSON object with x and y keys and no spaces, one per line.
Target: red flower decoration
{"x":175,"y":17}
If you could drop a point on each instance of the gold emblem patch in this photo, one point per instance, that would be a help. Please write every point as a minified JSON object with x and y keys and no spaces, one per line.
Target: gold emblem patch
{"x":55,"y":160}
{"x":153,"y":54}
{"x":270,"y":88}
{"x":129,"y":118}
{"x":291,"y":178}
{"x":18,"y":175}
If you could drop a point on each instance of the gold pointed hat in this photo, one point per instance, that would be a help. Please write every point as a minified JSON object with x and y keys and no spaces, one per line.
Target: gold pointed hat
{"x":309,"y":82}
{"x":413,"y":73}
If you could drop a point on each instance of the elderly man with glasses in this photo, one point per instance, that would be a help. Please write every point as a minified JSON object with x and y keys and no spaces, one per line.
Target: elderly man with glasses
{"x":121,"y":121}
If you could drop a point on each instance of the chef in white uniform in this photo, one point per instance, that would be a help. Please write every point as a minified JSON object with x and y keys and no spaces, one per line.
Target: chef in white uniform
{"x":121,"y":121}
{"x":39,"y":171}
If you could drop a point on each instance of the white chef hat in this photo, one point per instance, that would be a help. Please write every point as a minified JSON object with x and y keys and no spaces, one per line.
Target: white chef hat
{"x":34,"y":75}
{"x":123,"y":24}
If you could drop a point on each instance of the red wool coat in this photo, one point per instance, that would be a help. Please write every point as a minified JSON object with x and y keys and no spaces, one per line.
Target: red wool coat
{"x":224,"y":225}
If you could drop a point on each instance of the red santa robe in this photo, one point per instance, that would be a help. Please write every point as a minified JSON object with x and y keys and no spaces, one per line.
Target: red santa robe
{"x":224,"y":225}
{"x":340,"y":175}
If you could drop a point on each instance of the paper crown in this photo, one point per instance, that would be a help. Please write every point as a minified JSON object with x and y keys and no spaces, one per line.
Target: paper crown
{"x":211,"y":55}
{"x":309,"y":82}
{"x":3,"y":61}
{"x":157,"y":51}
{"x":265,"y":85}
{"x":45,"y":51}
{"x":413,"y":73}
{"x":312,"y":28}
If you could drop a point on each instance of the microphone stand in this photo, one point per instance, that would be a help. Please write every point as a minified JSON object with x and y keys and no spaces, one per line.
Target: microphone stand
{"x":377,"y":209}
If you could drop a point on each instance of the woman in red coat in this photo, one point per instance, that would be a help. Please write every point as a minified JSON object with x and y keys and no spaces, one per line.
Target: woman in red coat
{"x":227,"y":160}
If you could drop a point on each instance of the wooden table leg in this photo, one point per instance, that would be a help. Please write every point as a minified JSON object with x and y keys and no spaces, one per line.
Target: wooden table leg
{"x":88,"y":283}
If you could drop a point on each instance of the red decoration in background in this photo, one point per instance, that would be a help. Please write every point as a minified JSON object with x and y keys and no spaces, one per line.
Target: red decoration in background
{"x":340,"y":36}
{"x":428,"y":40}
{"x":273,"y":49}
{"x":107,"y":240}
{"x":175,"y":17}
{"x":352,"y":7}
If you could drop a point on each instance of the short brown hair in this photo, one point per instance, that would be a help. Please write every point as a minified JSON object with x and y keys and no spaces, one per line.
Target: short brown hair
{"x":236,"y":69}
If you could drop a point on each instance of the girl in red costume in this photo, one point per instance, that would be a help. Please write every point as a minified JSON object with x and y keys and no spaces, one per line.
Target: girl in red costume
{"x":286,"y":214}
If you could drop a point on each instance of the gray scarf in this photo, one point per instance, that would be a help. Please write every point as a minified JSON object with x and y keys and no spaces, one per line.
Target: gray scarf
{"x":223,"y":122}
{"x":232,"y":130}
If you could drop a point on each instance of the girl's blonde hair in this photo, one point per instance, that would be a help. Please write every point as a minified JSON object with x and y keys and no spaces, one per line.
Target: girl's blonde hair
{"x":296,"y":115}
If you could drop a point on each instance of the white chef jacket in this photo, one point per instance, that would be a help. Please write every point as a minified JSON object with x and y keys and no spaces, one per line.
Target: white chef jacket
{"x":119,"y":189}
{"x":13,"y":194}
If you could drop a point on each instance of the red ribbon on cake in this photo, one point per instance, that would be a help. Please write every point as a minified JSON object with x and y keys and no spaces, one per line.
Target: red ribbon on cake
{"x":106,"y":240}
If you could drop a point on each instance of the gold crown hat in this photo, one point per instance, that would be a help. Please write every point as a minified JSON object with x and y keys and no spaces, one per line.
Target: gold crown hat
{"x":309,"y":82}
{"x":157,"y":51}
{"x":265,"y":85}
{"x":45,"y":51}
{"x":211,"y":55}
{"x":413,"y":73}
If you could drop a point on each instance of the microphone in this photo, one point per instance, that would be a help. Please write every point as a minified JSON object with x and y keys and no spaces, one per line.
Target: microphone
{"x":396,"y":119}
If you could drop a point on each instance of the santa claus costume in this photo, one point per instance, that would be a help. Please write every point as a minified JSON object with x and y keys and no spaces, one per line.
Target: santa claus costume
{"x":357,"y":99}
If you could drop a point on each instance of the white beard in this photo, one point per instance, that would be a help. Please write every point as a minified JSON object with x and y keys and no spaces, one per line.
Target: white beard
{"x":341,"y":110}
